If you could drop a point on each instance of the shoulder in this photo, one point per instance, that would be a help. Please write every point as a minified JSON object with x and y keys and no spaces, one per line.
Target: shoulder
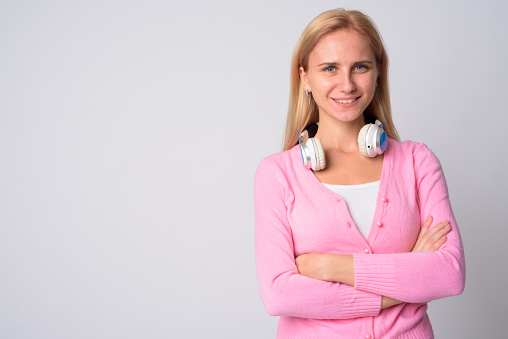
{"x":409,"y":149}
{"x":275,"y":174}
{"x":282,"y":163}
{"x":415,"y":154}
{"x":406,"y":147}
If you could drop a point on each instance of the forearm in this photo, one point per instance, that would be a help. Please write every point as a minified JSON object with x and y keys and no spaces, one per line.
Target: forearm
{"x":327,"y":267}
{"x":286,"y":293}
{"x":411,"y":277}
{"x":291,"y":294}
{"x":333,"y":268}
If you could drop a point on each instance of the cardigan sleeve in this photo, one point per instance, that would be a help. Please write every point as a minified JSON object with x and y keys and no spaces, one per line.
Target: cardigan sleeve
{"x":283,"y":290}
{"x":420,"y":276}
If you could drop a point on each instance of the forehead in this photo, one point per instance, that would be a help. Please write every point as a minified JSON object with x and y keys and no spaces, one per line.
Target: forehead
{"x":342,"y":46}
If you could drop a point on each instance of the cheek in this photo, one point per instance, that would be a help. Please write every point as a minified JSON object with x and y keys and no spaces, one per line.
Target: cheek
{"x":369,"y":85}
{"x":322,"y":86}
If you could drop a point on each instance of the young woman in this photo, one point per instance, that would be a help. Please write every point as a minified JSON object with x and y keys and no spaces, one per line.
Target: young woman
{"x":354,"y":229}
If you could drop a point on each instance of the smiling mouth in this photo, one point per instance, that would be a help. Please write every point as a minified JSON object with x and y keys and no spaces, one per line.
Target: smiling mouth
{"x":348,"y":101}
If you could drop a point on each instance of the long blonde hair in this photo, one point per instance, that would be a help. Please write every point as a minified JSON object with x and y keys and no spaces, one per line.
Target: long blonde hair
{"x":303,"y":110}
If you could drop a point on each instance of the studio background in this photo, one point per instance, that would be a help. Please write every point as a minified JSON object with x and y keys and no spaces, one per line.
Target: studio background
{"x":130,"y":132}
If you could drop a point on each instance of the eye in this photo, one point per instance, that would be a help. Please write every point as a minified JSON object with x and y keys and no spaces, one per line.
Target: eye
{"x":330,"y":69}
{"x":361,"y":67}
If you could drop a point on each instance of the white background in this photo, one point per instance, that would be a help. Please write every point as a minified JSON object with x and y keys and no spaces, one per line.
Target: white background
{"x":130,"y":132}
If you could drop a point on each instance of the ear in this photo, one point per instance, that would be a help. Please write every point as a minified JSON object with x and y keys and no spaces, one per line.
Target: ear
{"x":303,"y":78}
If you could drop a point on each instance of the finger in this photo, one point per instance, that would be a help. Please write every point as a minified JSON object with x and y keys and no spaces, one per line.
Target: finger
{"x":438,"y":227}
{"x":427,"y":223}
{"x":435,"y":239}
{"x":424,"y":229}
{"x":440,"y":242}
{"x":445,"y":229}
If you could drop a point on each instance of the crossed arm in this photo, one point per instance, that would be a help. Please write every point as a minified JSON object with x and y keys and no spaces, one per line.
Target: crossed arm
{"x":340,"y":268}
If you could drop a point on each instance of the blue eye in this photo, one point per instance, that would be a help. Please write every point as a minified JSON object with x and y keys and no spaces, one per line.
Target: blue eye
{"x":361,"y":67}
{"x":329,"y":69}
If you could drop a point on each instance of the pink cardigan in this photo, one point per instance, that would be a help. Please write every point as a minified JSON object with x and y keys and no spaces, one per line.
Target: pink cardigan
{"x":297,"y":214}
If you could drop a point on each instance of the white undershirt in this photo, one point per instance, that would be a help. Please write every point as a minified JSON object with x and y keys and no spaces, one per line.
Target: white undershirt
{"x":361,"y":202}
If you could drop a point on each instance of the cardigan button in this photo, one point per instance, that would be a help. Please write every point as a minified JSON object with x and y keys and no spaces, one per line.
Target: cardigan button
{"x":379,"y":223}
{"x":383,"y":199}
{"x":366,"y":251}
{"x":349,"y":224}
{"x":368,"y":336}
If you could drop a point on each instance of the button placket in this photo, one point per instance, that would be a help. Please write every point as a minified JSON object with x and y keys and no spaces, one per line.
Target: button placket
{"x":384,"y":200}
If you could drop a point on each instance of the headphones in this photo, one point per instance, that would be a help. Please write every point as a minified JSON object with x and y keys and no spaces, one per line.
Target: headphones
{"x":372,"y":140}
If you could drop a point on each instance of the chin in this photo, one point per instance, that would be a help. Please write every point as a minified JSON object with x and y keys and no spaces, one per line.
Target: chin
{"x":349,"y":118}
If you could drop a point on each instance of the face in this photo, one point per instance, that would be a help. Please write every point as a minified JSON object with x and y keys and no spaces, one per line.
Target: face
{"x":341,"y":75}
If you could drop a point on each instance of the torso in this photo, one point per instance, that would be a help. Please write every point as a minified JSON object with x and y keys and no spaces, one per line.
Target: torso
{"x":318,"y":221}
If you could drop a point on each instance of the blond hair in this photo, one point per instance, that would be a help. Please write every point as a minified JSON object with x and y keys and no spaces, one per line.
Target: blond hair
{"x":303,"y":110}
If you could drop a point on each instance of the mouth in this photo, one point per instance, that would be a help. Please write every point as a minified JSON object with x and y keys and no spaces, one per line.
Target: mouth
{"x":346,"y":101}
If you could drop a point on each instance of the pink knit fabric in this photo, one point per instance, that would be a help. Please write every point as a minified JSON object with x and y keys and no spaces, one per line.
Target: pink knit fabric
{"x":297,"y":214}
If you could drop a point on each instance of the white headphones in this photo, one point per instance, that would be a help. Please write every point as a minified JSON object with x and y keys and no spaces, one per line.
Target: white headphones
{"x":372,"y":140}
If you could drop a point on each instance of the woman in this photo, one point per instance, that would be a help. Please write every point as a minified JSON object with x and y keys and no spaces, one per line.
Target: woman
{"x":354,"y":241}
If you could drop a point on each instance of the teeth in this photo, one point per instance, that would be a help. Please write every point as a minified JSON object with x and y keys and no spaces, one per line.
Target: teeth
{"x":345,"y":101}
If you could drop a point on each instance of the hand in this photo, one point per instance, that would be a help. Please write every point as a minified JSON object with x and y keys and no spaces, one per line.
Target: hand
{"x":431,"y":240}
{"x":387,"y":302}
{"x":327,"y":267}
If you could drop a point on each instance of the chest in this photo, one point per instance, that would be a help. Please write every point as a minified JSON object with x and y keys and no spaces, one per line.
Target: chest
{"x":324,"y":224}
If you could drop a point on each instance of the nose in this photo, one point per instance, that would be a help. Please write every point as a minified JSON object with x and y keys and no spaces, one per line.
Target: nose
{"x":346,"y":82}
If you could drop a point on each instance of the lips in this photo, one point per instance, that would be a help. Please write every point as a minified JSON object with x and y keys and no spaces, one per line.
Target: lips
{"x":345,"y":101}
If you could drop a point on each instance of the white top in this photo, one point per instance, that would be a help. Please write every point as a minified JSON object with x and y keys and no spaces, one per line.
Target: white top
{"x":361,"y":202}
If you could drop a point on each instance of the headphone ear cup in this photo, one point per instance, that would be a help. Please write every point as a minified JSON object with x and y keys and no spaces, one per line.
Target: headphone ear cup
{"x":316,"y":154}
{"x":362,"y":139}
{"x":320,"y":155}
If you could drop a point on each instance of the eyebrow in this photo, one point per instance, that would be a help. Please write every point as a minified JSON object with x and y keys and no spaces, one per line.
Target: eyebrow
{"x":336,"y":63}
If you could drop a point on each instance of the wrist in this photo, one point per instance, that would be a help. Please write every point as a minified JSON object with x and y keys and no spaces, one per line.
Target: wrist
{"x":348,"y":270}
{"x":341,"y":269}
{"x":388,"y":302}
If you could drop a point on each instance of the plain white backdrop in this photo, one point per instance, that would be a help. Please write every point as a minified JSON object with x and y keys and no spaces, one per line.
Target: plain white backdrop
{"x":130,"y":132}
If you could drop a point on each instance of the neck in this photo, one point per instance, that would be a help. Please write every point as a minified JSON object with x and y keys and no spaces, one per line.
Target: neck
{"x":338,"y":135}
